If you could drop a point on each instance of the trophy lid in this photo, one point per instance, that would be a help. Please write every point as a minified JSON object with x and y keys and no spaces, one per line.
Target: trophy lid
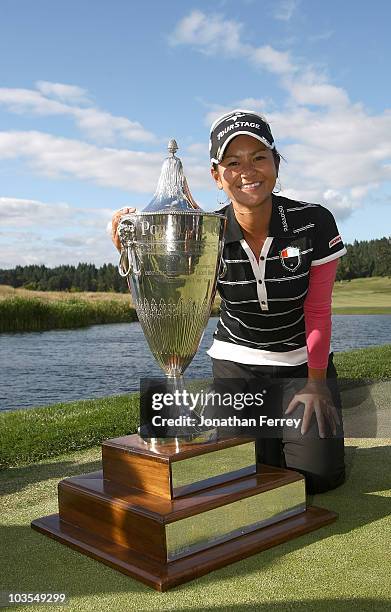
{"x":172,"y":192}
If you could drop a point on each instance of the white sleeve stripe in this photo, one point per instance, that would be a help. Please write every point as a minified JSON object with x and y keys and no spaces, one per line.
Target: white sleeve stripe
{"x":336,"y":255}
{"x":301,"y":229}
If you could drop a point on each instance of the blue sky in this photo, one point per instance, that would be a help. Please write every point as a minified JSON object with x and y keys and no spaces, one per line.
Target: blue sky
{"x":91,"y":91}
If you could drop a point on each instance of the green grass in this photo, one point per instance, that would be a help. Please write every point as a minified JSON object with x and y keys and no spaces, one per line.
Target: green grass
{"x":362,"y":310}
{"x":21,"y":314}
{"x":36,"y":433}
{"x":30,"y":314}
{"x":363,"y":293}
{"x":341,"y":567}
{"x":368,"y":363}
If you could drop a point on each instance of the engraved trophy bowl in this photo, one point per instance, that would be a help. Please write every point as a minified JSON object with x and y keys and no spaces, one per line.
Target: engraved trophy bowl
{"x":171,"y":253}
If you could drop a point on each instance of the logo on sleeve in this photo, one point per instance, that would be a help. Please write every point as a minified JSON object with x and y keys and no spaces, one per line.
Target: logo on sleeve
{"x":335,"y":241}
{"x":290,"y":258}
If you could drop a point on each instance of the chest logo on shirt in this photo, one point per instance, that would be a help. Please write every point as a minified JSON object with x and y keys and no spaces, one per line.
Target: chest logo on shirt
{"x":290,"y":258}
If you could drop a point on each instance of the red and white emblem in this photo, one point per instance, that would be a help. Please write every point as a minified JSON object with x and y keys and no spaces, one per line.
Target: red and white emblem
{"x":290,"y":258}
{"x":335,"y":241}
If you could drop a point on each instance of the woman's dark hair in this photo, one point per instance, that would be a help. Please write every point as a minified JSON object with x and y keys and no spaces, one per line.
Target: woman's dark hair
{"x":277,"y":158}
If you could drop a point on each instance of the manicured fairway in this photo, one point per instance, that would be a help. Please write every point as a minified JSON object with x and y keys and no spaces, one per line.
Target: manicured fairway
{"x":340,"y":567}
{"x":363,"y":296}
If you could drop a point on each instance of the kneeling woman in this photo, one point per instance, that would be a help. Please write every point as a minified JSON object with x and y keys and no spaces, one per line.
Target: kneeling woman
{"x":280,"y":263}
{"x":280,"y":259}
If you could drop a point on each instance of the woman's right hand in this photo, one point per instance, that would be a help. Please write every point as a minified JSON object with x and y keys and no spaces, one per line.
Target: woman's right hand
{"x":114,"y":224}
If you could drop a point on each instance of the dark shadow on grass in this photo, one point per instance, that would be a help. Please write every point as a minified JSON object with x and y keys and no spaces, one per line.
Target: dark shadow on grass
{"x":38,"y":562}
{"x":14,"y":480}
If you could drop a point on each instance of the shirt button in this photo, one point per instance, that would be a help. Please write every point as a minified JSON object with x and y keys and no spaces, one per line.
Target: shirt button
{"x":263,"y":302}
{"x":260,"y":282}
{"x":262,"y":258}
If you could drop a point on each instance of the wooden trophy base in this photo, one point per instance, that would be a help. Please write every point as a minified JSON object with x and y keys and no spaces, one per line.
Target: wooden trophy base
{"x":186,"y":527}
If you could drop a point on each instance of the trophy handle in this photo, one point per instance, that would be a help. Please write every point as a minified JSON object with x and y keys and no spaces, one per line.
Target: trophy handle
{"x":124,"y":269}
{"x":129,"y":262}
{"x":223,"y":268}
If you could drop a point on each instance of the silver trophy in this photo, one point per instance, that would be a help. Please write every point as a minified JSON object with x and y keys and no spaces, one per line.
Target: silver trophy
{"x":171,"y":253}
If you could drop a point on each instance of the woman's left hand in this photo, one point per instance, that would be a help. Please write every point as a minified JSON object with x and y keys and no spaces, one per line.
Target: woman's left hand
{"x":316,"y":397}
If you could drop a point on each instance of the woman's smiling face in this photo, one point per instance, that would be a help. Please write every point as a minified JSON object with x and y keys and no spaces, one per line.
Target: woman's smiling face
{"x":247,"y":172}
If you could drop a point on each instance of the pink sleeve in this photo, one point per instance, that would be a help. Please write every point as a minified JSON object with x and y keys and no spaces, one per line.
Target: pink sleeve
{"x":317,"y":313}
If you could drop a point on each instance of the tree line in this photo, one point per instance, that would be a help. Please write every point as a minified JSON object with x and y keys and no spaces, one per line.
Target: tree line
{"x":364,"y":258}
{"x":83,"y":277}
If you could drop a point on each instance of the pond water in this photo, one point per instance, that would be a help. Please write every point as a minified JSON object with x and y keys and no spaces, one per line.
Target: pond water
{"x":41,"y":368}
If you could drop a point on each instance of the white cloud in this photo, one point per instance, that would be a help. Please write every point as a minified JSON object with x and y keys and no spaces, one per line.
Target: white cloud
{"x":105,"y":128}
{"x":52,"y":233}
{"x":311,"y":88}
{"x":285,"y":8}
{"x":19,"y":213}
{"x":59,"y":232}
{"x":209,"y":33}
{"x":254,"y":103}
{"x":22,"y":101}
{"x":337,"y":152}
{"x":216,"y":110}
{"x":96,"y":124}
{"x":61,"y":157}
{"x":339,"y":202}
{"x":361,"y":190}
{"x":197,"y":148}
{"x":66,"y":93}
{"x":133,"y":171}
{"x":98,"y":250}
{"x":271,"y":59}
{"x":212,"y":34}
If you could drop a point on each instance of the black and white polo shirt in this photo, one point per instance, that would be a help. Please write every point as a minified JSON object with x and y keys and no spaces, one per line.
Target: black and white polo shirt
{"x":262,"y":315}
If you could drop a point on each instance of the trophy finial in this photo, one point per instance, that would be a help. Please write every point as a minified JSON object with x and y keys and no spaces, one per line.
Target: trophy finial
{"x":172,"y":192}
{"x":172,"y":146}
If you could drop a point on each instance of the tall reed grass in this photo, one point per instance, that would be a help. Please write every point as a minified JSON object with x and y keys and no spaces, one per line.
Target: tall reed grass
{"x":31,"y":314}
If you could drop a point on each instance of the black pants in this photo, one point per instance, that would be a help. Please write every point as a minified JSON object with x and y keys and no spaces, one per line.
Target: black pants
{"x":320,"y":460}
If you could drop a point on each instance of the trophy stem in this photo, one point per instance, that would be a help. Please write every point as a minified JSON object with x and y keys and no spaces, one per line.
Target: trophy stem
{"x":191,"y":431}
{"x":176,"y":384}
